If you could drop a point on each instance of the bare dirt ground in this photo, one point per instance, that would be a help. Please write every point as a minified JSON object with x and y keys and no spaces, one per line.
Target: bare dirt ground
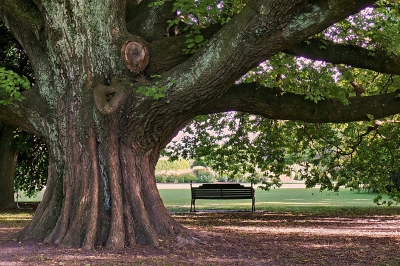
{"x":235,"y":238}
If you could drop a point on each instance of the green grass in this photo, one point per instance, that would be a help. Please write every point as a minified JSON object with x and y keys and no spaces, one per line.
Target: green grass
{"x":297,"y":200}
{"x":280,"y":200}
{"x":23,"y":198}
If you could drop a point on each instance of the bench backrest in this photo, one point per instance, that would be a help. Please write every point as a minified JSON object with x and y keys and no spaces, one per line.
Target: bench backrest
{"x":221,"y":185}
{"x":222,"y":191}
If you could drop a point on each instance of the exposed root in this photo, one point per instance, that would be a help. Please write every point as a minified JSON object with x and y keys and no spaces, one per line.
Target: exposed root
{"x":191,"y":238}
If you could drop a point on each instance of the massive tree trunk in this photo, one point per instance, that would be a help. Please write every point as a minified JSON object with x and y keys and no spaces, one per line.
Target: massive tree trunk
{"x":104,"y":140}
{"x":104,"y":137}
{"x":8,"y":163}
{"x":101,"y":189}
{"x":111,"y":181}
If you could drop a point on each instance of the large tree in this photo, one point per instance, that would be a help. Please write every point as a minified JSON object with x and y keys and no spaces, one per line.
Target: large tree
{"x":113,"y":87}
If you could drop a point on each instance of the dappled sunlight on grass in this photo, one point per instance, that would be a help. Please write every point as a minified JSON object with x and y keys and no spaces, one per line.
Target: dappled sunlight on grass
{"x":15,"y":217}
{"x":282,"y":199}
{"x":13,"y":221}
{"x":263,"y":205}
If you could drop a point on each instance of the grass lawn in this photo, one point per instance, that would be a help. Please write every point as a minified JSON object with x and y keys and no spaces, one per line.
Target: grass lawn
{"x":298,"y":200}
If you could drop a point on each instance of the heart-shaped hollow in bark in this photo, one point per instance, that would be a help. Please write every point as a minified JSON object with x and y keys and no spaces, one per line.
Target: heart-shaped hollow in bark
{"x":108,"y":98}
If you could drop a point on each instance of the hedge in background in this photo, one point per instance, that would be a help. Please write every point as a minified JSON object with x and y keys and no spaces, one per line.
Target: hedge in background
{"x":166,"y":165}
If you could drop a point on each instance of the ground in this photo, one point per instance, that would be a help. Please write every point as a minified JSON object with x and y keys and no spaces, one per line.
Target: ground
{"x":235,"y":238}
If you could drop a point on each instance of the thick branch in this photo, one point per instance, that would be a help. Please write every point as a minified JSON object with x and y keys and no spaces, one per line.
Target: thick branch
{"x":28,"y":39}
{"x":355,"y":56}
{"x":167,"y":53}
{"x":25,"y":12}
{"x":262,"y":29}
{"x":149,"y":22}
{"x":21,"y":114}
{"x":275,"y":104}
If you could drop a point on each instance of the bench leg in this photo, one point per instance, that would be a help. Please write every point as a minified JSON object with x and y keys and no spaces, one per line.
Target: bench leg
{"x":193,"y":204}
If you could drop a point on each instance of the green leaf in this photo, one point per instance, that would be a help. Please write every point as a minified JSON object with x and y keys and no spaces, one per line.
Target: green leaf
{"x":198,"y":39}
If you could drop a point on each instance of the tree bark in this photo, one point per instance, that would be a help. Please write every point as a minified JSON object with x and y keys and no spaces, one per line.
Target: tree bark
{"x":274,"y":103}
{"x":355,"y":56}
{"x":109,"y":194}
{"x":8,"y":163}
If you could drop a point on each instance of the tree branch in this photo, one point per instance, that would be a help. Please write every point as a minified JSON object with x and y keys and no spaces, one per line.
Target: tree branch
{"x":167,"y":53}
{"x":29,"y":115}
{"x":275,"y":104}
{"x":352,"y":55}
{"x":25,"y":12}
{"x":149,"y":22}
{"x":259,"y":31}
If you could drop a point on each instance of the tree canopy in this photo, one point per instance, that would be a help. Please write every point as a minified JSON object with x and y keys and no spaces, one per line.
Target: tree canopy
{"x":115,"y":82}
{"x":342,"y":61}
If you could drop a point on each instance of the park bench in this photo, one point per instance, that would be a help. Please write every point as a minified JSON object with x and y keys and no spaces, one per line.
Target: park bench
{"x":222,"y":191}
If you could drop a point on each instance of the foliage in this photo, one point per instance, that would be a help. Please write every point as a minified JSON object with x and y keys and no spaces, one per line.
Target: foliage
{"x":186,"y":178}
{"x":224,"y":142}
{"x":197,"y":163}
{"x":395,"y":181}
{"x":359,"y":155}
{"x":157,"y":91}
{"x":166,"y":165}
{"x":15,"y":70}
{"x":201,"y":177}
{"x":204,"y":176}
{"x":31,"y":172}
{"x":10,"y":86}
{"x":375,"y":29}
{"x":16,"y":75}
{"x":160,"y":178}
{"x":171,"y":179}
{"x":12,"y":56}
{"x":197,"y":15}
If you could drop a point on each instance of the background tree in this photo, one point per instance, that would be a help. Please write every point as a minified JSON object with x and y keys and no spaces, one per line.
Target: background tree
{"x":8,"y":163}
{"x":16,"y":75}
{"x":8,"y":152}
{"x":32,"y":164}
{"x":115,"y":81}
